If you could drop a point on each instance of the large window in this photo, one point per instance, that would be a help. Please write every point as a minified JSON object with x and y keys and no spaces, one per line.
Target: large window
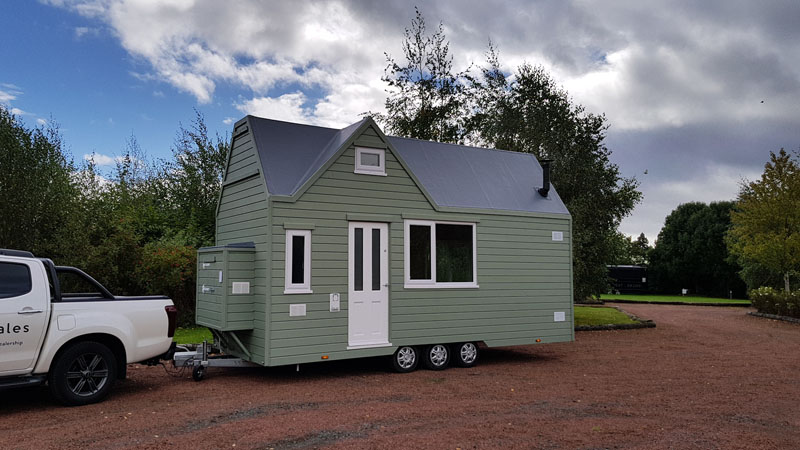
{"x":440,"y":254}
{"x":15,"y":280}
{"x":298,"y":262}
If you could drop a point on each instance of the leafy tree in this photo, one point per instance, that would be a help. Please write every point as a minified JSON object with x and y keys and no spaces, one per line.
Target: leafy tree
{"x":37,"y":191}
{"x":526,"y":113}
{"x":627,"y":251}
{"x":691,"y":253}
{"x":426,"y":99}
{"x":766,"y":222}
{"x":194,"y":181}
{"x":531,"y":114}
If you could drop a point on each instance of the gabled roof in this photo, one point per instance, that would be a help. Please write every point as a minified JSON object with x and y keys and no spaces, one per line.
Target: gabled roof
{"x":473,"y":177}
{"x":453,"y":175}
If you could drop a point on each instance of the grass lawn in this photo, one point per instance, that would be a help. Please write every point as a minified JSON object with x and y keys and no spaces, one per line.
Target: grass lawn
{"x":590,"y":315}
{"x":670,"y":298}
{"x":193,"y":335}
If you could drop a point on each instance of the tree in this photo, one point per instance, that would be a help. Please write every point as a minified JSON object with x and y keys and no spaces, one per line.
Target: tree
{"x":640,"y":250}
{"x":766,"y":222}
{"x":426,"y":100}
{"x":691,"y":253}
{"x":626,"y":251}
{"x":37,"y":191}
{"x":526,"y":113}
{"x":531,"y":114}
{"x":195,"y":180}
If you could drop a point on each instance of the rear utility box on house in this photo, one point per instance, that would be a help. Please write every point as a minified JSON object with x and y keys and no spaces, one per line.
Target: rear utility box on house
{"x":335,"y":244}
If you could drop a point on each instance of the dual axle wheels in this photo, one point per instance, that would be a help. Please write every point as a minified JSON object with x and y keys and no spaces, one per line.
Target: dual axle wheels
{"x":435,"y":357}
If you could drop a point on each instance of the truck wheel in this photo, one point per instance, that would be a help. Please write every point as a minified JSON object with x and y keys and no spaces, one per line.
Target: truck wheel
{"x":466,"y":354}
{"x":405,"y":359}
{"x":83,"y":373}
{"x":437,"y":357}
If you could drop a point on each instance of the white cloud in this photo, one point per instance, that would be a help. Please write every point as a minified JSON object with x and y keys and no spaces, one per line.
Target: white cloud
{"x":287,"y":107}
{"x":41,"y":121}
{"x":103,"y":160}
{"x":8,"y":92}
{"x":228,"y":120}
{"x":18,"y":112}
{"x":81,"y":32}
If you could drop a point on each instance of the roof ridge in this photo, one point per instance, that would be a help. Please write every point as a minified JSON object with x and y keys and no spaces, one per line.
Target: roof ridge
{"x":464,"y":146}
{"x":294,"y":123}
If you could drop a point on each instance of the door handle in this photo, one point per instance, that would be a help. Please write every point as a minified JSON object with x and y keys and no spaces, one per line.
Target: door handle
{"x":30,"y":311}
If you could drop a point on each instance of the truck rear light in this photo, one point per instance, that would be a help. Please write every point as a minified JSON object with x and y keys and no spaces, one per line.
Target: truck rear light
{"x":172,"y":319}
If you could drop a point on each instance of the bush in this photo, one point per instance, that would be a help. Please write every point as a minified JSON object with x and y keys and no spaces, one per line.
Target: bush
{"x":768,"y":300}
{"x":169,"y":269}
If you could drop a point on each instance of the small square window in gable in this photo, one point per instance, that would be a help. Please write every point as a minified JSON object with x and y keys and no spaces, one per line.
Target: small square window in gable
{"x":370,"y":161}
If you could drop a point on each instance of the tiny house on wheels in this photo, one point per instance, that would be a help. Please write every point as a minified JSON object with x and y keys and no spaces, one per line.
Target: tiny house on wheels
{"x":335,"y":244}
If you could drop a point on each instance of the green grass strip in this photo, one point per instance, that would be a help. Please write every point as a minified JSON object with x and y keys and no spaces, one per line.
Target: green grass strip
{"x":592,"y":315}
{"x":193,"y":335}
{"x":671,"y":298}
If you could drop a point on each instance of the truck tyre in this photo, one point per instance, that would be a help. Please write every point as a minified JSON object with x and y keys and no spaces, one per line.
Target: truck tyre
{"x":405,"y":359}
{"x":84,"y":373}
{"x":465,"y":354}
{"x":437,"y":357}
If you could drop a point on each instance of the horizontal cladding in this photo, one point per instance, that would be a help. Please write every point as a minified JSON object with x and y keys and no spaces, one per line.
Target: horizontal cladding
{"x":523,"y":274}
{"x":242,"y":217}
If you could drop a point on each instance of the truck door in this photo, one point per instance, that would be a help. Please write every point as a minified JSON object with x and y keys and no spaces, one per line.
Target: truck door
{"x":24,"y":301}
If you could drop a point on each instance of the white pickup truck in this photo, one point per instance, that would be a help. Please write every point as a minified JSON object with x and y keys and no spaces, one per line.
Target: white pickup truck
{"x":60,"y":326}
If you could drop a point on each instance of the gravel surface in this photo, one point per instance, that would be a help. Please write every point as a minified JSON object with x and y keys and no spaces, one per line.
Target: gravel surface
{"x":706,"y":377}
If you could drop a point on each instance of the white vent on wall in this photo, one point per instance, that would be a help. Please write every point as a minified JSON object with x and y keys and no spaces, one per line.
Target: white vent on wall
{"x":241,"y":287}
{"x":297,"y":310}
{"x":558,"y":235}
{"x":559,"y":316}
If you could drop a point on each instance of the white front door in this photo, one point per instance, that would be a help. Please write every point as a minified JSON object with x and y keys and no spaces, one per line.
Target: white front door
{"x":23,"y":314}
{"x":368,"y":285}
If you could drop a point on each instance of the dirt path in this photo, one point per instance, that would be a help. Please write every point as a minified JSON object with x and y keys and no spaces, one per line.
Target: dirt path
{"x":707,"y":377}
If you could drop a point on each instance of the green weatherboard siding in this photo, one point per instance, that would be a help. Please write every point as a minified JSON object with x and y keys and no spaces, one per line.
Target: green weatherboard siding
{"x":524,"y":276}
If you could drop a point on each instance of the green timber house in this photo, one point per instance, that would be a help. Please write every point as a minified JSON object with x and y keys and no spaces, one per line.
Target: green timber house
{"x":335,"y":244}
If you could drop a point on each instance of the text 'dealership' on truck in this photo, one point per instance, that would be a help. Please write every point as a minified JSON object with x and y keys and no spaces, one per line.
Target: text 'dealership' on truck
{"x":335,"y":244}
{"x":61,"y":327}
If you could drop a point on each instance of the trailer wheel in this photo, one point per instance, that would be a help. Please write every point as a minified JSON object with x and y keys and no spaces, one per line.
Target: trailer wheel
{"x":465,"y":354}
{"x":83,"y":373}
{"x":405,"y":359}
{"x":437,"y":357}
{"x":198,"y":373}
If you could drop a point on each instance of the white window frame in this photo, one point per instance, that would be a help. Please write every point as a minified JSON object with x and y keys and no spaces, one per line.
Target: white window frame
{"x":371,"y":170}
{"x":298,"y":288}
{"x":432,"y":283}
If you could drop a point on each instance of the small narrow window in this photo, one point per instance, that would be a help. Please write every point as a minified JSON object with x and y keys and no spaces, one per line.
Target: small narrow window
{"x":370,"y":161}
{"x":376,"y":259}
{"x":298,"y":262}
{"x":359,"y":260}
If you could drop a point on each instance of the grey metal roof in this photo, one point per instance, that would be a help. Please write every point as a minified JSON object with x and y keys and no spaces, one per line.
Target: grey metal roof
{"x":454,"y":175}
{"x":472,"y":177}
{"x":291,"y":153}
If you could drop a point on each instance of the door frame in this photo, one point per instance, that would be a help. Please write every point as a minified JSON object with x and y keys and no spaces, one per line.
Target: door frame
{"x":385,"y":281}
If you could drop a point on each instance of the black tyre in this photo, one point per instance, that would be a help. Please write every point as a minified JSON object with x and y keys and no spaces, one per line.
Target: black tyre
{"x":437,"y":357}
{"x":465,"y":354}
{"x":405,"y":359}
{"x":198,"y":373}
{"x":84,"y":373}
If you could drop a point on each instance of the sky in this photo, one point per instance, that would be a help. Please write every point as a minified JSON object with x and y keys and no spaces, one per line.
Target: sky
{"x":696,"y":94}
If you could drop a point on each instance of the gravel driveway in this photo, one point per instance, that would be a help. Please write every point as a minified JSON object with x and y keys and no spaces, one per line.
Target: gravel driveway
{"x":706,"y":377}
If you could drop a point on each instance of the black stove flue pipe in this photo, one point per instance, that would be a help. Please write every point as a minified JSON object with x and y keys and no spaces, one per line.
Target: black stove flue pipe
{"x":545,"y":189}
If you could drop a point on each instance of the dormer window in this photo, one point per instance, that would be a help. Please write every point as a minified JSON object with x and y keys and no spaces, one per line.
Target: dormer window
{"x":370,"y":161}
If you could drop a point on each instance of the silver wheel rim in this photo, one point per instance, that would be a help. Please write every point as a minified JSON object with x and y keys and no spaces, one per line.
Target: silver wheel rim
{"x":406,"y":357}
{"x":87,"y":374}
{"x":438,"y":355}
{"x":469,"y":353}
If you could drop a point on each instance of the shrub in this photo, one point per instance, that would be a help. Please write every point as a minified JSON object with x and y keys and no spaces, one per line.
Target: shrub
{"x":169,"y":269}
{"x":768,"y":300}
